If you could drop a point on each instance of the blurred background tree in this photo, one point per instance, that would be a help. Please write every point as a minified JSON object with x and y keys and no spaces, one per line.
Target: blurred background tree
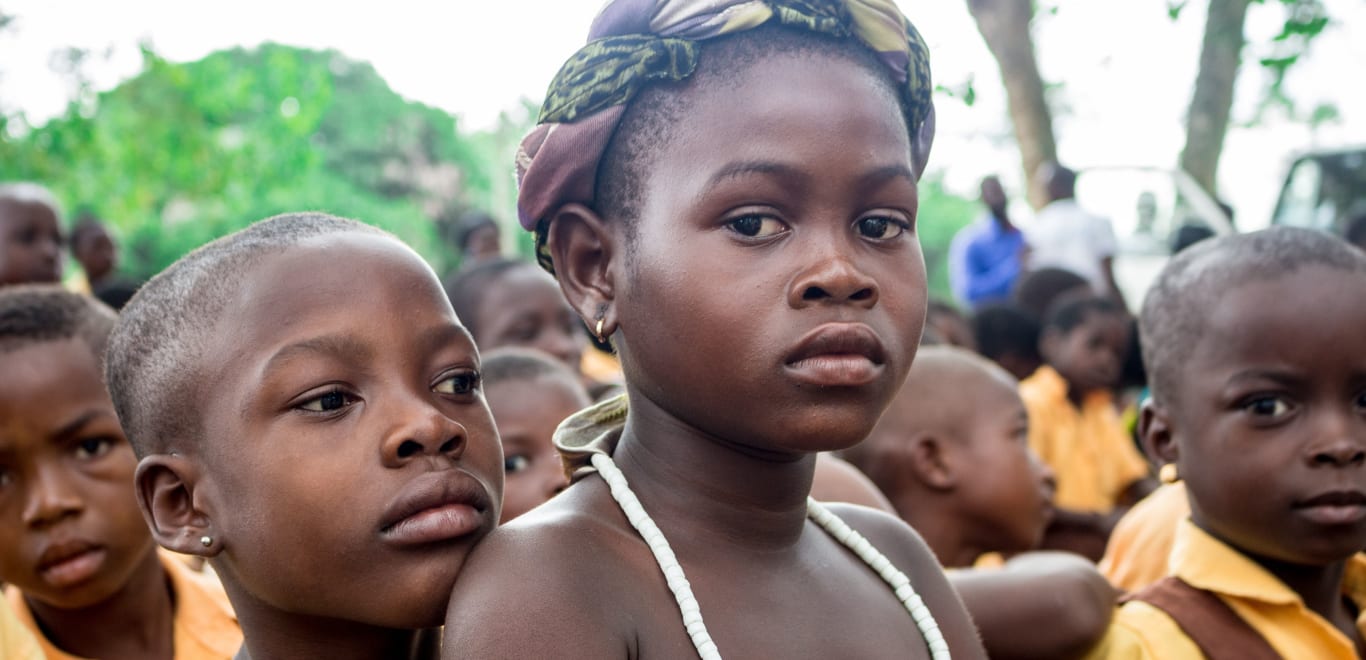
{"x":183,"y":153}
{"x":186,"y":152}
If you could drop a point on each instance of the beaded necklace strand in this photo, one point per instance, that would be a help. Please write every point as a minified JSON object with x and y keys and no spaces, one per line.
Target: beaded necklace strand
{"x":682,"y":589}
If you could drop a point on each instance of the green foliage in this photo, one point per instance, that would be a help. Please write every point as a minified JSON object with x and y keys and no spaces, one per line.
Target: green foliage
{"x":941,"y":215}
{"x":184,"y":153}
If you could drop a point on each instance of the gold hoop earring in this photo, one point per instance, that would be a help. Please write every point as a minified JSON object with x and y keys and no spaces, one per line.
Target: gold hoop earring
{"x":598,"y":330}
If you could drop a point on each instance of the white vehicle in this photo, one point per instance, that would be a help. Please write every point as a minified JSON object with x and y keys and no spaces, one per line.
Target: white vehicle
{"x":1324,"y":189}
{"x":1148,"y":208}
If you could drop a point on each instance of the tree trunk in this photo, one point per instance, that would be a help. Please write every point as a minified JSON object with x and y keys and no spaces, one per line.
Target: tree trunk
{"x":1004,"y":25}
{"x":1207,"y":120}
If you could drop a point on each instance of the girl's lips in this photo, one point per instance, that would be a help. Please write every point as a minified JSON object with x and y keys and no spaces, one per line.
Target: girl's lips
{"x":73,"y":569}
{"x":839,"y":370}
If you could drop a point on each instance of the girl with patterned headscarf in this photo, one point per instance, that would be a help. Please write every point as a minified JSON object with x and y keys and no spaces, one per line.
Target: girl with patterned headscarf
{"x":725,"y":189}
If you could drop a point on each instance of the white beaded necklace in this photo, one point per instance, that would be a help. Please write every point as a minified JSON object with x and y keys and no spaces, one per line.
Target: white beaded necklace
{"x":682,"y":590}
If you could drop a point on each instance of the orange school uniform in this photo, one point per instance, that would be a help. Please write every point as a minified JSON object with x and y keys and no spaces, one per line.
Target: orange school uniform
{"x":1140,"y":631}
{"x":16,"y":640}
{"x":1091,"y":455}
{"x":205,"y":626}
{"x":1137,"y":553}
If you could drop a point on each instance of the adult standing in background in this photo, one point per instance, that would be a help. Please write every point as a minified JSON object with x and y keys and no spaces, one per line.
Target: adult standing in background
{"x":1066,"y":236}
{"x":986,"y":256}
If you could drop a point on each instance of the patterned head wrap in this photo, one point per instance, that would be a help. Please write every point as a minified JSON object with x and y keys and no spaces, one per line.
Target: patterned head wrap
{"x":634,"y":43}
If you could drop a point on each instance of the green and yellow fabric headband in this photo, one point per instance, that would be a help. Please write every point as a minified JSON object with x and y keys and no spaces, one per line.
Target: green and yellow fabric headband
{"x":636,"y":43}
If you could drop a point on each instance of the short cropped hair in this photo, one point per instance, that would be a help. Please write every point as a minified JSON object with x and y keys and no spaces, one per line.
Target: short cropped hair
{"x":467,"y":289}
{"x":1005,"y":329}
{"x":152,"y":363}
{"x":647,"y":125}
{"x":516,"y":364}
{"x":1070,"y":312}
{"x":1173,"y":314}
{"x":1037,"y":290}
{"x":470,"y":223}
{"x":24,"y":192}
{"x":35,"y":314}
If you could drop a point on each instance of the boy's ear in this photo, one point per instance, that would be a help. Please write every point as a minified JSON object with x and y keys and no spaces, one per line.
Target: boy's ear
{"x":931,"y":463}
{"x":584,"y":250}
{"x":1155,"y":431}
{"x":166,"y":490}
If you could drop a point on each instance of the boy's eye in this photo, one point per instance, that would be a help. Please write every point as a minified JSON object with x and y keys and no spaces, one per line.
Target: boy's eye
{"x":464,"y":382}
{"x":515,"y":463}
{"x":93,"y":448}
{"x":757,"y":226}
{"x":1267,"y":406}
{"x":5,"y":478}
{"x":879,"y":227}
{"x":332,"y":401}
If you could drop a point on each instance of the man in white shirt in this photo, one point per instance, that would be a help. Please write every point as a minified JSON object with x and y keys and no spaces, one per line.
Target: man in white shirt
{"x":1064,"y":235}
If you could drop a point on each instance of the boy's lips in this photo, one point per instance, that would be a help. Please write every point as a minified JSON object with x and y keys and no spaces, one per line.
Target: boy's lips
{"x":68,"y":563}
{"x":1341,"y":507}
{"x":438,"y":506}
{"x":837,"y":355}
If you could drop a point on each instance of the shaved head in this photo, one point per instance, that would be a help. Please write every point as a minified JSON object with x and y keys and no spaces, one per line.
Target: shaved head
{"x":939,"y":397}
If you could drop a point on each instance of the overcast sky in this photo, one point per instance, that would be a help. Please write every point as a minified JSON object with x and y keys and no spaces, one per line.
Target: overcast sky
{"x":1126,"y":69}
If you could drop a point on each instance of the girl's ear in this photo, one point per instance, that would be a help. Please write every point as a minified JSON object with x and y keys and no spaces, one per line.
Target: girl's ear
{"x":174,"y":507}
{"x":584,"y":249}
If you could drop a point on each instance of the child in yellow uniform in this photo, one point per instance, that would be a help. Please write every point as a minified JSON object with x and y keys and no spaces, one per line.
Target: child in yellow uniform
{"x":1137,"y":553}
{"x":1074,"y":427}
{"x":951,"y":455}
{"x":727,"y":190}
{"x":310,"y":419}
{"x":1255,"y":348}
{"x":84,"y":575}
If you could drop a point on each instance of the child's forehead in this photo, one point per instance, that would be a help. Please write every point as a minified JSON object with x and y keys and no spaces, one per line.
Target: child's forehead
{"x":333,"y":285}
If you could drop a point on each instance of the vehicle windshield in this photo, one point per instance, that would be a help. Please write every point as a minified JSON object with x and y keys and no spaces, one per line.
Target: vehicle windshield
{"x":1324,"y":191}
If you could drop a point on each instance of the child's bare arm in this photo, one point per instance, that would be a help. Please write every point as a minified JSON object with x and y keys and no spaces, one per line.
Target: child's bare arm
{"x":1039,"y":605}
{"x":904,"y":547}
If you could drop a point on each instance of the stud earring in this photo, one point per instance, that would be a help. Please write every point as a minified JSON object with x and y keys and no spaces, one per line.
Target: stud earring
{"x":206,"y":540}
{"x":1167,"y":474}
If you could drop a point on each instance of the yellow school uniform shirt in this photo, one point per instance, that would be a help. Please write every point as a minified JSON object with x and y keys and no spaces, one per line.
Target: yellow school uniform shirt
{"x":205,"y":626}
{"x":16,"y":641}
{"x":1137,"y":553}
{"x":1092,"y":457}
{"x":1141,"y":631}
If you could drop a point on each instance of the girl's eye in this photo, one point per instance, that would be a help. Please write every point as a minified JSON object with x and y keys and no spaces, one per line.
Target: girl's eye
{"x":330,"y":402}
{"x":1267,"y":406}
{"x":515,"y":463}
{"x":462,"y":383}
{"x":757,"y":226}
{"x":880,"y":228}
{"x":93,"y":448}
{"x":5,"y":478}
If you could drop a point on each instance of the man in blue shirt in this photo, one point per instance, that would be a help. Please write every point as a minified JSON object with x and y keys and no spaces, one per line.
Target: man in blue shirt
{"x":985,"y":256}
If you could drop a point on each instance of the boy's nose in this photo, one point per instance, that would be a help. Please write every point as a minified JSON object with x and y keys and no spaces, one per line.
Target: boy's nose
{"x":424,"y":432}
{"x":1342,"y":451}
{"x":833,"y":280}
{"x":51,"y":498}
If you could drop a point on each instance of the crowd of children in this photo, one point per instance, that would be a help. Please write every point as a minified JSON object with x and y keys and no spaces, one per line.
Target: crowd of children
{"x":297,"y":442}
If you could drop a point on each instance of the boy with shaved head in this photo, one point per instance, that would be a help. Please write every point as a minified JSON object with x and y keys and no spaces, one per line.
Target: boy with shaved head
{"x":1257,"y":359}
{"x":951,"y":455}
{"x":309,"y":416}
